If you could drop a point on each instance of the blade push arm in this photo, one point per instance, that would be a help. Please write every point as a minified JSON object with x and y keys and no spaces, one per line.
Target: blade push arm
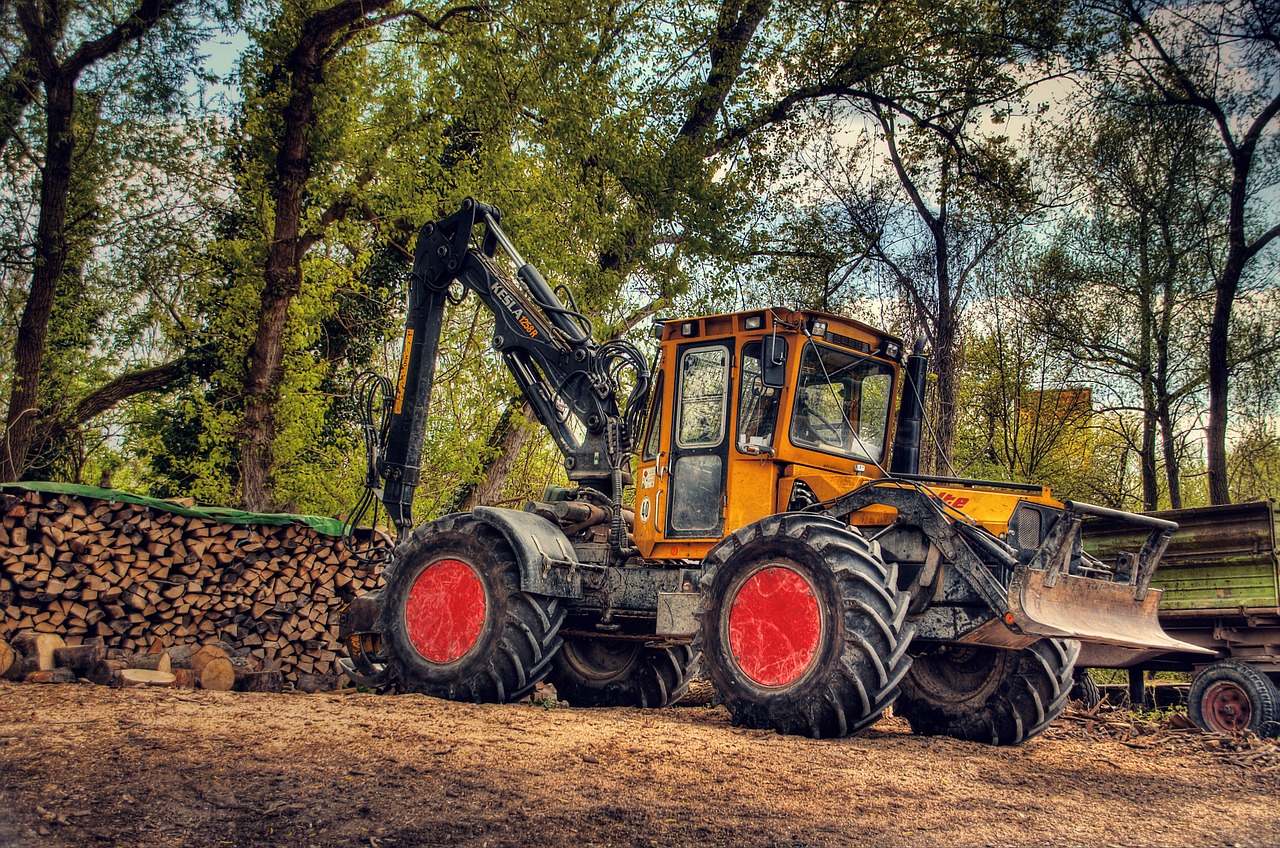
{"x":569,"y":379}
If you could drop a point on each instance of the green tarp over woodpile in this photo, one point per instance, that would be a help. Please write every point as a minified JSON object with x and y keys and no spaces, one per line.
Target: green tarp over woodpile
{"x":327,"y":526}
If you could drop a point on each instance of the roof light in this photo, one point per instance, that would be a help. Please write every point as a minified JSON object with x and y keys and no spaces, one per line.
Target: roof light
{"x":688,"y":328}
{"x":892,"y":350}
{"x":753,"y":322}
{"x":818,"y":328}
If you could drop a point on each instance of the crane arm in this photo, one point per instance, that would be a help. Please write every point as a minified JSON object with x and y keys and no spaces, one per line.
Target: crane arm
{"x":570,"y":380}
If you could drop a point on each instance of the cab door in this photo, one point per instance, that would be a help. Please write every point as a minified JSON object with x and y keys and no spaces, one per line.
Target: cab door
{"x":699,"y":441}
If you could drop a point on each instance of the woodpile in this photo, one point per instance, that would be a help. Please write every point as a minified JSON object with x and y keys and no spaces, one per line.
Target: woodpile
{"x":107,"y":591}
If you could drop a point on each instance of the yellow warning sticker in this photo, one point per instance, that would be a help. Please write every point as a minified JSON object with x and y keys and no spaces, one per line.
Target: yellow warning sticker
{"x":404,"y":370}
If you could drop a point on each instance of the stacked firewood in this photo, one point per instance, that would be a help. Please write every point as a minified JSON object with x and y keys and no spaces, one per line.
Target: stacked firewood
{"x":139,"y":581}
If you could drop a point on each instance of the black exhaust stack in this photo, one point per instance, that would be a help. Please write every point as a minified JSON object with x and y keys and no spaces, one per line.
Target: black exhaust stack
{"x":906,"y":442}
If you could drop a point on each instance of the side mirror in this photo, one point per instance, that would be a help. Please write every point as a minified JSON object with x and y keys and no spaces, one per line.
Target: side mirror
{"x":773,"y":361}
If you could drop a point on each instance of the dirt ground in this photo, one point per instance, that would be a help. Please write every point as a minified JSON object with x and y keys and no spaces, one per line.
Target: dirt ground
{"x":84,"y":765}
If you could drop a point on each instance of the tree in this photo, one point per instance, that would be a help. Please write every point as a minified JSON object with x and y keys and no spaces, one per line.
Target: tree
{"x":1123,"y":289}
{"x":67,"y":56}
{"x":951,"y":187}
{"x":1026,"y":414}
{"x":662,"y":161}
{"x":926,"y":230}
{"x":291,"y":82}
{"x":1219,"y":59}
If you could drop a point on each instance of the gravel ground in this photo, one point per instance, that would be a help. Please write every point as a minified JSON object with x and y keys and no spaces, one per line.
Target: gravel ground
{"x":85,"y":765}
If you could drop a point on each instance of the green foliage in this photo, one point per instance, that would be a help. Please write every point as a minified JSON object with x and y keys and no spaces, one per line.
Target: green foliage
{"x":1254,"y":463}
{"x":138,"y":183}
{"x":642,"y":181}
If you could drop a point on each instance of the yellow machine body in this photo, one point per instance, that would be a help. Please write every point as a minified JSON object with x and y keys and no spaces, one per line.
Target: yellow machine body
{"x":751,"y":475}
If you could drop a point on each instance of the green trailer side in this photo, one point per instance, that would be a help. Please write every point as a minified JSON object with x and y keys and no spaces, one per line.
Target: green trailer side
{"x":1222,"y":561}
{"x":1220,"y":579}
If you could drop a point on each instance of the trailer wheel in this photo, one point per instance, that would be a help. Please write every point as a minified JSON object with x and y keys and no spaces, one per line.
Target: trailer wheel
{"x":997,"y":696}
{"x":602,"y":672}
{"x":1085,"y":689}
{"x":1231,"y":696}
{"x":456,"y":624}
{"x":803,"y":629}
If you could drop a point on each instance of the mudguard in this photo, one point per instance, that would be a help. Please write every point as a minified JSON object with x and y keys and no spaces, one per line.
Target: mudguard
{"x":548,"y":564}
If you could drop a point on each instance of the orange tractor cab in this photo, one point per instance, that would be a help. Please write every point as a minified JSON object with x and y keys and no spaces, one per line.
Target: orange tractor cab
{"x":781,"y":539}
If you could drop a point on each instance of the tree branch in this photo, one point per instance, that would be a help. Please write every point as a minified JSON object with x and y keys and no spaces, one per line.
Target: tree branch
{"x":128,"y":385}
{"x":17,"y":92}
{"x":734,"y":30}
{"x":483,"y":12}
{"x":147,"y":15}
{"x":903,"y":177}
{"x":1260,"y":242}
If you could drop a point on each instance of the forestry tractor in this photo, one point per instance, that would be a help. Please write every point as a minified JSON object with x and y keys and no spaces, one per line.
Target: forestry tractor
{"x":781,"y":537}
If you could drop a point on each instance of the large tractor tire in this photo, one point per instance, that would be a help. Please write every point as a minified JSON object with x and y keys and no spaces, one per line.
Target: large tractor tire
{"x":1230,"y":697}
{"x":456,"y":624}
{"x":803,"y":629}
{"x":997,"y":696}
{"x":620,"y":673}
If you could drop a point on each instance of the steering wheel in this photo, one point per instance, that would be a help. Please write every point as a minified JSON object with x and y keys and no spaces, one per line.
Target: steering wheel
{"x":825,"y":430}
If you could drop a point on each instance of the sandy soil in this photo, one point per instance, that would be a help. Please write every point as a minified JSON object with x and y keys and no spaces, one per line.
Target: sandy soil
{"x":83,"y":765}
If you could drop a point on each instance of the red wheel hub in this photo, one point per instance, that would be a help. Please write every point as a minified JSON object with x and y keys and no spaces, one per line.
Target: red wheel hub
{"x":775,"y":626}
{"x":1227,"y":708}
{"x":445,"y":610}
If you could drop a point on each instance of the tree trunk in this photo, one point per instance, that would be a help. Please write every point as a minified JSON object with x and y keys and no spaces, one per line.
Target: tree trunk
{"x":44,"y":25}
{"x":1220,"y":333}
{"x":946,"y":366}
{"x":1173,"y":474}
{"x":505,"y":442}
{"x":51,"y":259}
{"x":1163,"y":330}
{"x":317,"y":43}
{"x":946,"y":345}
{"x":1147,"y":453}
{"x":1146,"y":355}
{"x":283,"y":281}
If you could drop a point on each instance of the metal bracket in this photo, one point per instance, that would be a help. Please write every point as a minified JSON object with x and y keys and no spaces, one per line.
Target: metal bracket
{"x":1054,"y":553}
{"x":917,"y":506}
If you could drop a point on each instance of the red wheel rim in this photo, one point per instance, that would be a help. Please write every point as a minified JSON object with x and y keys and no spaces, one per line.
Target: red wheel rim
{"x":445,"y":610}
{"x":775,"y":626}
{"x":1227,"y":708}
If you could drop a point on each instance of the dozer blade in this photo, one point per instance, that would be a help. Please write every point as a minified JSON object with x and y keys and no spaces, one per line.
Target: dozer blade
{"x":1089,"y":610}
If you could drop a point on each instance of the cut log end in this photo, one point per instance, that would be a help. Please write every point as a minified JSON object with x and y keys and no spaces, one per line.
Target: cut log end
{"x":128,"y":677}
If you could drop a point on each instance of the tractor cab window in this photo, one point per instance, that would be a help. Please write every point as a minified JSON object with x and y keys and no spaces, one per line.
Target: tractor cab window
{"x":842,"y":403}
{"x":757,"y":405}
{"x":654,"y":429}
{"x":704,"y":374}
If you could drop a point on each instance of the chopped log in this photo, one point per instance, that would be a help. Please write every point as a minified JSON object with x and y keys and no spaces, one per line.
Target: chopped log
{"x":145,"y":580}
{"x":104,"y":673}
{"x":11,"y":661}
{"x":206,"y":653}
{"x":145,"y":661}
{"x":81,"y":658}
{"x":184,"y":678}
{"x":312,"y":683}
{"x":38,"y":648}
{"x":258,"y":681}
{"x":53,"y":675}
{"x":217,"y":674}
{"x":143,"y":677}
{"x":179,"y":656}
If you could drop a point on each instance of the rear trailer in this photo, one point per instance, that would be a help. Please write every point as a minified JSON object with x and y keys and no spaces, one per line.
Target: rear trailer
{"x":1221,"y":581}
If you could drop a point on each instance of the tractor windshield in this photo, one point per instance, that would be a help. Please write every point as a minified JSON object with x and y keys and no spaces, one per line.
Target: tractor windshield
{"x":842,"y":403}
